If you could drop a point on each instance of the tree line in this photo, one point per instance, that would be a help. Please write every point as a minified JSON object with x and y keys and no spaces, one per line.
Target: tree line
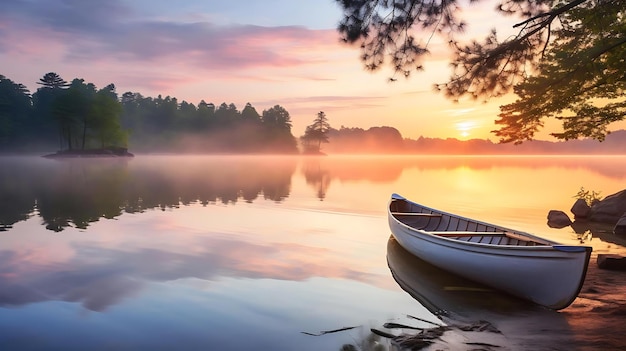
{"x":78,"y":116}
{"x":70,"y":116}
{"x":165,"y":124}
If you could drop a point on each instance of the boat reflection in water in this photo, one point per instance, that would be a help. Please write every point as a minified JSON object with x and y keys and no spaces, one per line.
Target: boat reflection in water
{"x":514,"y":324}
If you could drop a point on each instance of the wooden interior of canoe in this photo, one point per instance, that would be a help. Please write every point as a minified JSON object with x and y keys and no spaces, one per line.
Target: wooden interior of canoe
{"x":457,"y":227}
{"x":493,"y":238}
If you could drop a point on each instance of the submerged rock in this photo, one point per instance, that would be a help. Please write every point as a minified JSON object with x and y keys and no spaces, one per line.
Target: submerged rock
{"x":558,"y":219}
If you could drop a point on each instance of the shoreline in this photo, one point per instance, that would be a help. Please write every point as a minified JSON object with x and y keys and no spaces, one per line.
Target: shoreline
{"x":598,"y":316}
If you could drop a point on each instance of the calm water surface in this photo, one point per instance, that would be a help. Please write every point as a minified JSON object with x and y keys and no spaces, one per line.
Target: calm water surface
{"x":252,"y":253}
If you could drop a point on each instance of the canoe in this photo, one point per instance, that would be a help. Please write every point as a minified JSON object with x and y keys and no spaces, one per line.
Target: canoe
{"x":521,"y":264}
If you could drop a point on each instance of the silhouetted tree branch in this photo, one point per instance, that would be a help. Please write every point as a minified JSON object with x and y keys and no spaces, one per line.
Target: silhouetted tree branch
{"x":579,"y":35}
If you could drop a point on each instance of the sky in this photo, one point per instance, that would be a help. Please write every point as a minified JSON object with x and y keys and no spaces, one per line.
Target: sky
{"x":272,"y":52}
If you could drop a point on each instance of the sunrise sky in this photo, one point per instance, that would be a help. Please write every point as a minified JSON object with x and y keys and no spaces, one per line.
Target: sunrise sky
{"x":264,"y":52}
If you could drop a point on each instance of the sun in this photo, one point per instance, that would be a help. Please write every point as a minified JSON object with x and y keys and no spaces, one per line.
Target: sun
{"x":464,"y":128}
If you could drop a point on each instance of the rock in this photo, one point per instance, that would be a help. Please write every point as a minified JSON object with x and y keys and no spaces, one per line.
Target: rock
{"x":610,"y":209}
{"x":580,"y":209}
{"x":558,"y":219}
{"x":620,"y":227}
{"x":612,"y":262}
{"x":580,"y":226}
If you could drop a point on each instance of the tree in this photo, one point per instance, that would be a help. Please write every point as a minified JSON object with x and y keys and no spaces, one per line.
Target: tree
{"x":316,"y":134}
{"x":249,"y":114}
{"x":71,"y":110}
{"x":277,"y":118}
{"x":15,"y":106}
{"x":46,"y":126}
{"x":582,"y":80}
{"x":276,"y":124}
{"x":583,"y":50}
{"x":226,"y":114}
{"x":205,"y":115}
{"x":53,"y":80}
{"x":105,"y":114}
{"x":88,"y":117}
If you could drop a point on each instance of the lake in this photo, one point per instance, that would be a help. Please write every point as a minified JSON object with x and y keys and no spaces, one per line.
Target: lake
{"x":163,"y":252}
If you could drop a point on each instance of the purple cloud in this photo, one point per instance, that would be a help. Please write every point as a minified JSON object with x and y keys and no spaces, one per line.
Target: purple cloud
{"x":93,"y":31}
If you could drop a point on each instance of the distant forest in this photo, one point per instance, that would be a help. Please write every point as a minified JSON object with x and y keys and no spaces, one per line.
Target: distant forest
{"x":78,"y":116}
{"x":389,"y":140}
{"x":614,"y":144}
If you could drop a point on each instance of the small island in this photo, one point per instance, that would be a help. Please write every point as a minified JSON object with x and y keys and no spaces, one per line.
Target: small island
{"x":103,"y":152}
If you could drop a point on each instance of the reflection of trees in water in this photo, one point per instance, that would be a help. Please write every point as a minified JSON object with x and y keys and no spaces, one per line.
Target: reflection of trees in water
{"x":320,"y":171}
{"x":316,"y":176}
{"x":17,"y":192}
{"x":14,"y":206}
{"x":78,"y":192}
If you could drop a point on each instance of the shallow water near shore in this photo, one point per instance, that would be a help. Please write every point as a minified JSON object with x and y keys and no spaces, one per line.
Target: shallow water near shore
{"x":259,"y":252}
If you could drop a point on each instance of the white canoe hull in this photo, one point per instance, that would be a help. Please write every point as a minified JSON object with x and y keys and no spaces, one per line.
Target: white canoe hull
{"x":548,"y":273}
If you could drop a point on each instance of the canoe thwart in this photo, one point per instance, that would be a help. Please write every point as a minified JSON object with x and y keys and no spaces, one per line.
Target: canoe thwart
{"x":415,"y":214}
{"x":466,"y":233}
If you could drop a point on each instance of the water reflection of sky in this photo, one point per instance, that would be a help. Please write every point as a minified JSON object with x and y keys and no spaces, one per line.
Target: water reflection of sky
{"x":115,"y":258}
{"x":159,"y":280}
{"x":230,"y":315}
{"x":190,"y":253}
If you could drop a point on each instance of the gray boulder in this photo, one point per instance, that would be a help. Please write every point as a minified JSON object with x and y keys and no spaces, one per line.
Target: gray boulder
{"x":558,"y":219}
{"x":612,"y":262}
{"x":620,"y":227}
{"x":580,"y":209}
{"x":610,"y":209}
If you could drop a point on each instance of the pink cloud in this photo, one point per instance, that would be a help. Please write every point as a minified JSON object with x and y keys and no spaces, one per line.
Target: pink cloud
{"x":97,"y":32}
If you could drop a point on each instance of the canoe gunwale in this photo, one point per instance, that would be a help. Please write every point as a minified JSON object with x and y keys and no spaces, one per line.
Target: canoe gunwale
{"x":511,"y":233}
